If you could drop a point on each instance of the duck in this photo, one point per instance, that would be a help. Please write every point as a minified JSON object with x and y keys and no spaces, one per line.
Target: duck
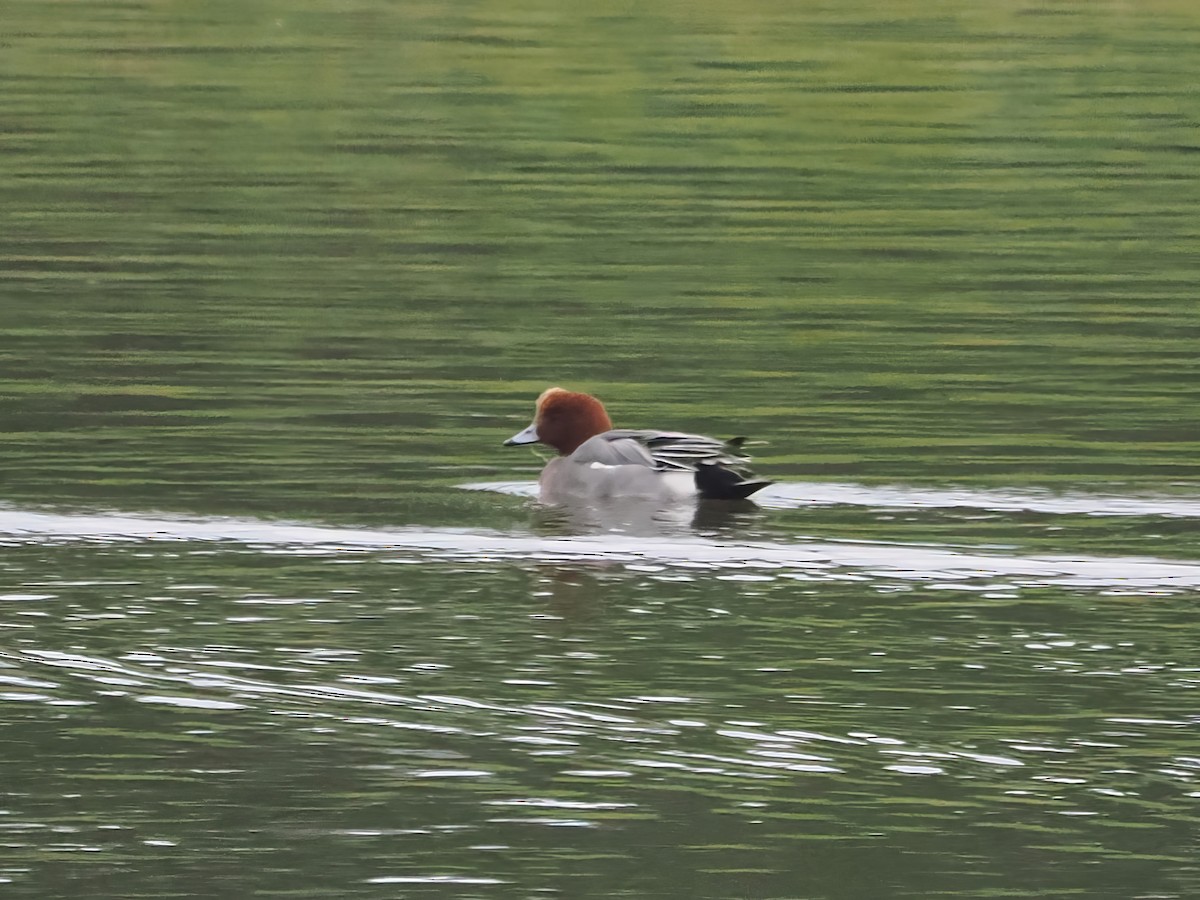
{"x":597,"y":462}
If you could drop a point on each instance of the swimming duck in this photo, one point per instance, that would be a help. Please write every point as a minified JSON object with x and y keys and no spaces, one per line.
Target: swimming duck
{"x":598,"y":462}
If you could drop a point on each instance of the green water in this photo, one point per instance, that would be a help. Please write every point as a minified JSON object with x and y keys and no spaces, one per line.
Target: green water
{"x":277,"y":279}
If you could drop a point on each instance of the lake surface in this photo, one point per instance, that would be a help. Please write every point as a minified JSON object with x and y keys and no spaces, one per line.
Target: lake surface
{"x":279,"y":616}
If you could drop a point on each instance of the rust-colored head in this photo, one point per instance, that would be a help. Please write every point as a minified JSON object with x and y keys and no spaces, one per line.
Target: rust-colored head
{"x":564,"y":420}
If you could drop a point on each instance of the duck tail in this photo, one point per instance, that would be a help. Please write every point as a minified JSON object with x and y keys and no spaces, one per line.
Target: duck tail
{"x":716,"y":482}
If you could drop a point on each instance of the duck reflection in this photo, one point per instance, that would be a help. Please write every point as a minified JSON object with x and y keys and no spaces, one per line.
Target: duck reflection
{"x":576,"y":591}
{"x":631,"y":516}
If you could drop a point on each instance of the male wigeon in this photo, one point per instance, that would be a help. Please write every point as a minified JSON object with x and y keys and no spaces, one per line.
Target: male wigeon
{"x":598,"y":462}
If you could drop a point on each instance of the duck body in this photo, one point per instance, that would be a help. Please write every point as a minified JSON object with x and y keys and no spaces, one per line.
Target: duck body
{"x":597,"y":462}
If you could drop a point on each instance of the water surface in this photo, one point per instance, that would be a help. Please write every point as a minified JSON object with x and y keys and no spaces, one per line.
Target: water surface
{"x":278,"y":616}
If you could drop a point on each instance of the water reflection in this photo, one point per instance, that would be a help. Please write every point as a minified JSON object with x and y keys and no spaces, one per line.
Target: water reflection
{"x":634,"y":517}
{"x":413,"y":697}
{"x":572,"y":593}
{"x":473,"y":737}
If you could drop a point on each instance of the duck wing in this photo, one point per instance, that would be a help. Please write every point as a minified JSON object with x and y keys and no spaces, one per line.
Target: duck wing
{"x":719,"y":467}
{"x":614,"y":448}
{"x":673,"y":451}
{"x":679,"y":451}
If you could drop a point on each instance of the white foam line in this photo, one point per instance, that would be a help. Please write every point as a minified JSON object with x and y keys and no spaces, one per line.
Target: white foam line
{"x":806,"y":559}
{"x":793,"y":494}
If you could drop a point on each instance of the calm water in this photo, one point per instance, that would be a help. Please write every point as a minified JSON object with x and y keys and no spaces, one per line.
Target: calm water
{"x":279,"y":617}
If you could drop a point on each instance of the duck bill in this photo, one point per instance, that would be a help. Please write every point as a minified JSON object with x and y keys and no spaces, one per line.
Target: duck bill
{"x":528,"y":436}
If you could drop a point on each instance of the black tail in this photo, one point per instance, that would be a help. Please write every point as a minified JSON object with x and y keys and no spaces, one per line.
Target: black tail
{"x":715,"y":482}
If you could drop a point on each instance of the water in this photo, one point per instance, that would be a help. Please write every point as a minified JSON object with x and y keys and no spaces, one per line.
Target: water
{"x":278,"y":616}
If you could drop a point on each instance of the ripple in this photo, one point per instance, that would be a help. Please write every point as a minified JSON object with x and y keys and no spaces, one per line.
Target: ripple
{"x":433,"y":880}
{"x":190,"y":702}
